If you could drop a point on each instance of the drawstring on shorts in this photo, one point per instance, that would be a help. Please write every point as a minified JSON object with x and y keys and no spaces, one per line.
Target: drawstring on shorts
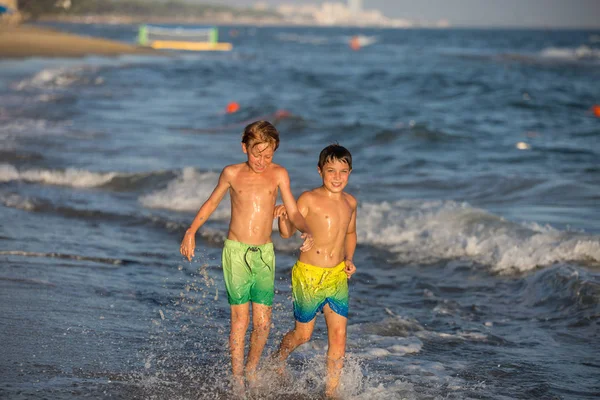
{"x":254,"y":249}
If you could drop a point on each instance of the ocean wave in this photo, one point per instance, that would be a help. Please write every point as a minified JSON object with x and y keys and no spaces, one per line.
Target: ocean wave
{"x":76,"y":257}
{"x":38,"y":205}
{"x":80,"y":178}
{"x":18,"y":128}
{"x":59,"y":77}
{"x":187,"y":193}
{"x":571,"y":55}
{"x":27,"y":281}
{"x":582,"y":52}
{"x":70,"y":177}
{"x":563,"y":292}
{"x":430,"y":231}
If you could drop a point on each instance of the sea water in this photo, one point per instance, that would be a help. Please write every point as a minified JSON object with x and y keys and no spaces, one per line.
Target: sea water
{"x":475,"y":168}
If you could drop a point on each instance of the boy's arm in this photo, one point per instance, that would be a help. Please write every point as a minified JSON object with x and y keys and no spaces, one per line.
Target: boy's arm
{"x":350,"y":243}
{"x":293,"y":213}
{"x":188,"y":244}
{"x":286,"y":228}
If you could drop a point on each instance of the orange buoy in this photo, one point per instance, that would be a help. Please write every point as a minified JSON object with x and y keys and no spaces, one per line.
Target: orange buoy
{"x":355,"y":43}
{"x":282,"y":114}
{"x":232,"y":107}
{"x":596,"y":110}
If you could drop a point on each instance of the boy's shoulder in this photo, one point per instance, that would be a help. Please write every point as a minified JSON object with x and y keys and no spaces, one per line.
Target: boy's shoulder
{"x":278,"y":168}
{"x":280,"y":173}
{"x":310,"y":193}
{"x":232,"y":169}
{"x":350,"y":199}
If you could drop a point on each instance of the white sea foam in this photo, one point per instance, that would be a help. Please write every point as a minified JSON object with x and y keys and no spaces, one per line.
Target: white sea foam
{"x":18,"y":128}
{"x":51,"y":78}
{"x":364,"y":40}
{"x":391,"y":346}
{"x":187,"y":193}
{"x":13,"y":200}
{"x":69,"y":177}
{"x":569,"y":53}
{"x":427,"y":232}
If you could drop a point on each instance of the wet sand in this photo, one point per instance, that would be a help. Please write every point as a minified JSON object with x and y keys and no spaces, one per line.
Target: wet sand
{"x":31,"y":41}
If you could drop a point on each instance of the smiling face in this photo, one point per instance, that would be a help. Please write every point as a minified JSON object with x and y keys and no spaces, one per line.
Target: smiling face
{"x":335,"y":174}
{"x":260,"y":156}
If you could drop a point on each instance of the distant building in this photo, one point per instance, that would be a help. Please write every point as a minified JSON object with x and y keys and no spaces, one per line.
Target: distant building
{"x":346,"y":13}
{"x":261,"y":6}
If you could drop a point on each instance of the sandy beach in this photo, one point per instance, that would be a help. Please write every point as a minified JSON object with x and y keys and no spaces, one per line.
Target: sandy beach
{"x":31,"y":41}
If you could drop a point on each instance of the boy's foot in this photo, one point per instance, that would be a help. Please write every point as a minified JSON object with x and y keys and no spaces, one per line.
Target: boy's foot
{"x":283,"y":374}
{"x":277,"y":365}
{"x":238,"y":387}
{"x":331,"y":392}
{"x":252,"y":379}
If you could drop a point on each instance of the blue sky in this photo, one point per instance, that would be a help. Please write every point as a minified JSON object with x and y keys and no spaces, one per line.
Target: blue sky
{"x":519,"y":13}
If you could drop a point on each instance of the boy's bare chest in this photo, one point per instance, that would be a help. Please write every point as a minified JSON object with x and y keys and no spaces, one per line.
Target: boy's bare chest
{"x":331,"y":214}
{"x":253,"y":188}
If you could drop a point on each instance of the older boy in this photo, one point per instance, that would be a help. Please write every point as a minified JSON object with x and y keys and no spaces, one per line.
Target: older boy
{"x":248,"y":258}
{"x":320,"y":276}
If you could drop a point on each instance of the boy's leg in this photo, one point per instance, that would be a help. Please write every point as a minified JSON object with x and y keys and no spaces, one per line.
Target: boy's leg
{"x":261,"y":324}
{"x":336,"y":336}
{"x":294,"y":338}
{"x":240,"y":317}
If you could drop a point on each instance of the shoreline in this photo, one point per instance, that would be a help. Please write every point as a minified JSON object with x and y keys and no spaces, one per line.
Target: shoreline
{"x":26,"y":41}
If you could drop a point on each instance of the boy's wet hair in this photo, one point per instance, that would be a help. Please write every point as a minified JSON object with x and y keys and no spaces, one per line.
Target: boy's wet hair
{"x":260,"y":132}
{"x":335,"y":152}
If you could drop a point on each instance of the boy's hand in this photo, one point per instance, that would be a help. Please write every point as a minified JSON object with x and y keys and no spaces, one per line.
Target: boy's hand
{"x":280,"y":212}
{"x":188,"y":244}
{"x":350,"y":268}
{"x":308,"y":242}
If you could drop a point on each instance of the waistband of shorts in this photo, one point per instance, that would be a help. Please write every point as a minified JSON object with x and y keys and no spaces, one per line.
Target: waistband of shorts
{"x":338,"y":268}
{"x":232,"y":244}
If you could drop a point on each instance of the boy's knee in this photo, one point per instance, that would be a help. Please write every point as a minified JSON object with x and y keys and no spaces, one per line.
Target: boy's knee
{"x":302,"y":337}
{"x":338,"y":335}
{"x":240,"y":321}
{"x":262,"y":327}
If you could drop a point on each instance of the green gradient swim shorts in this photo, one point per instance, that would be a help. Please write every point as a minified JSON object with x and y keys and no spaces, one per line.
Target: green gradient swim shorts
{"x":313,"y":287}
{"x":249,"y":272}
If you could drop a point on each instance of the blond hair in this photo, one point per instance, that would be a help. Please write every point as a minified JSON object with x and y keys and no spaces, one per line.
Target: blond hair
{"x":260,"y":132}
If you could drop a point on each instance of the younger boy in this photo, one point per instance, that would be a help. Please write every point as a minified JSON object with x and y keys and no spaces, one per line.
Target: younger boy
{"x":320,"y":276}
{"x":248,"y":258}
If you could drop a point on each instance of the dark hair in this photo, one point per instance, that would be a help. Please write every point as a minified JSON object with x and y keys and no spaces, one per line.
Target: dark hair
{"x":260,"y":132}
{"x":335,"y":152}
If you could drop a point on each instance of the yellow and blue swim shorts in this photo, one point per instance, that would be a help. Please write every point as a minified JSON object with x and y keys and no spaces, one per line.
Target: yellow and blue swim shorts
{"x":313,"y":287}
{"x":249,"y":272}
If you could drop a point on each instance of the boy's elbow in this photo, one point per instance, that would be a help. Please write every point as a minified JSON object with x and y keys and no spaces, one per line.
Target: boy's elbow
{"x":285,"y":235}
